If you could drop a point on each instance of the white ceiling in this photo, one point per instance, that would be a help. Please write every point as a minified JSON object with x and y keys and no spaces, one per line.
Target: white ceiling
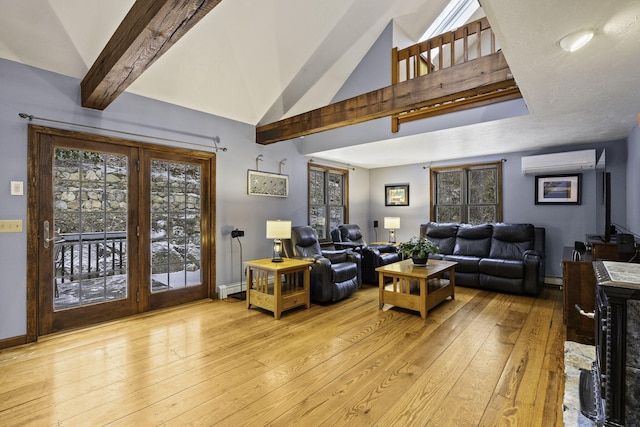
{"x":259,"y":61}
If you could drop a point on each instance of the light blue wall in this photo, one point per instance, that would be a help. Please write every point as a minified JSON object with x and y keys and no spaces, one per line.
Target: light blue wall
{"x":564,"y":224}
{"x":49,"y":95}
{"x":633,"y":181}
{"x":373,"y":72}
{"x":53,"y":96}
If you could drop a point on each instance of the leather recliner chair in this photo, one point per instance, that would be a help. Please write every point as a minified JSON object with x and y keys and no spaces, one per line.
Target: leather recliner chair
{"x":335,"y":274}
{"x":373,"y":256}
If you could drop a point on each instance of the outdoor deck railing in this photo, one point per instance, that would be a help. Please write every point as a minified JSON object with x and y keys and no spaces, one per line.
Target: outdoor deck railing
{"x":89,"y":255}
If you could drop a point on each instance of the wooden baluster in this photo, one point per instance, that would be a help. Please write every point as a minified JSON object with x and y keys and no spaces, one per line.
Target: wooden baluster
{"x":465,"y":44}
{"x":479,"y":36}
{"x":394,"y":65}
{"x":493,"y":41}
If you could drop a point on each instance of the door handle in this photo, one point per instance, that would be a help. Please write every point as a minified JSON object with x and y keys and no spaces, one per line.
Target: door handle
{"x":48,"y":239}
{"x":591,"y":315}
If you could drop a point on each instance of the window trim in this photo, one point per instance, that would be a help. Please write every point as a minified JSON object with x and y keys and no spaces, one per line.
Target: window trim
{"x":465,"y":168}
{"x":324,"y":168}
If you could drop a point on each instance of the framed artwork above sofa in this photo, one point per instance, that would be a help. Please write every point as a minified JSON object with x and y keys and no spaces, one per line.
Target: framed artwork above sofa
{"x":558,"y":189}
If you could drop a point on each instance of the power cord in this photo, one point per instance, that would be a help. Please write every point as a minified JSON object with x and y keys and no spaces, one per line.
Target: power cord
{"x":237,"y":234}
{"x":240,"y":243}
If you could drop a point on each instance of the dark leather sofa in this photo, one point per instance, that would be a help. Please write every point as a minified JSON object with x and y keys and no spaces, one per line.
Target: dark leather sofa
{"x":335,"y":274}
{"x":500,"y":257}
{"x":373,"y":256}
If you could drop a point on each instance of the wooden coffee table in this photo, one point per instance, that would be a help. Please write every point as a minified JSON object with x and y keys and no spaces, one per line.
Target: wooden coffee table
{"x":278,"y":286}
{"x":416,"y":288}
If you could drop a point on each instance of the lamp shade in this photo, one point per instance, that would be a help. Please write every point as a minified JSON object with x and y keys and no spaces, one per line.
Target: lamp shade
{"x":391,"y":222}
{"x":277,"y":229}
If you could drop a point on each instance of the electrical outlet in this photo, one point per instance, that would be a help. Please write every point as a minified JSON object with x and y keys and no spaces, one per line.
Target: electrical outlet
{"x":375,"y":224}
{"x":237,"y":233}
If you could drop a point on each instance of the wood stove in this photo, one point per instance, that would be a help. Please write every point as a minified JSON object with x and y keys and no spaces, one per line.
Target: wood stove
{"x":610,"y":392}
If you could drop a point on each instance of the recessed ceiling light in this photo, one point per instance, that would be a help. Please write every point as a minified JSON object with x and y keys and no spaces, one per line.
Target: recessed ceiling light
{"x":574,"y":41}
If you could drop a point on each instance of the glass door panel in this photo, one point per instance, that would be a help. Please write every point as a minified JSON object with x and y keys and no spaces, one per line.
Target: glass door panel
{"x":90,"y":222}
{"x":104,"y":204}
{"x":176,"y":216}
{"x":84,"y":243}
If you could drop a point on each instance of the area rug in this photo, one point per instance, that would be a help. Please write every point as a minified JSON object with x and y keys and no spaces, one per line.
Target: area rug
{"x":576,"y":356}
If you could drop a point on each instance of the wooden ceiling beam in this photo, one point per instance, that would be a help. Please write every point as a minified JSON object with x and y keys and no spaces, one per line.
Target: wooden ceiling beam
{"x":493,"y":94}
{"x":148,"y":30}
{"x":404,"y":96}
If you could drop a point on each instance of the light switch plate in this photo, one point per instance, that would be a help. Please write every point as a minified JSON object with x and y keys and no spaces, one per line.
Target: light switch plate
{"x":17,"y":188}
{"x":11,"y":226}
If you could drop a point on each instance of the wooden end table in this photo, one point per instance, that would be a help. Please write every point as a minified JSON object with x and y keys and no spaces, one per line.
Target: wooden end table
{"x":416,"y":288}
{"x":278,"y":286}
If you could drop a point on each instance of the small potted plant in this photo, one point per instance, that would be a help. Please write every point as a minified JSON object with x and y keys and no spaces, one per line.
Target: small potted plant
{"x":418,"y":249}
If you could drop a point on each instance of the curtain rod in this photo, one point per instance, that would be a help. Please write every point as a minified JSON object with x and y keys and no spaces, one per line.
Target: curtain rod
{"x":503,"y":160}
{"x":216,"y":139}
{"x":332,"y":163}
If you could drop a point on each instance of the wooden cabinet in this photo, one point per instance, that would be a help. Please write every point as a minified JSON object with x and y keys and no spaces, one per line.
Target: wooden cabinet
{"x":578,"y":288}
{"x":605,"y":251}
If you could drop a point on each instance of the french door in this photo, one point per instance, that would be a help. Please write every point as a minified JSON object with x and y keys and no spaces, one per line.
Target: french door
{"x":122,"y":228}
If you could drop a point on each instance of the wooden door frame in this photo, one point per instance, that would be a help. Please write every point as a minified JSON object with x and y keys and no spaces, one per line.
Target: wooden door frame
{"x":177,"y":296}
{"x":33,"y":226}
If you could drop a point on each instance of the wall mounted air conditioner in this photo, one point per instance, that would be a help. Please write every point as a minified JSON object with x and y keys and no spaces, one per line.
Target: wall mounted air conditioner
{"x":572,"y":161}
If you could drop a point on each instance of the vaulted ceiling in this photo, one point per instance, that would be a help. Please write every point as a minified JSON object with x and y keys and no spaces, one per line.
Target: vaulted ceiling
{"x":260,"y":61}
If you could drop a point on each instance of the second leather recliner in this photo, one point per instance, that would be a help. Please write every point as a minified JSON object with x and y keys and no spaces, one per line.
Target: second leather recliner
{"x":373,"y":256}
{"x":335,"y":274}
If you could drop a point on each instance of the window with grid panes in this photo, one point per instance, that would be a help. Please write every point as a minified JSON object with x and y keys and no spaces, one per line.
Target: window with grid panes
{"x":467,"y":194}
{"x":328,"y":199}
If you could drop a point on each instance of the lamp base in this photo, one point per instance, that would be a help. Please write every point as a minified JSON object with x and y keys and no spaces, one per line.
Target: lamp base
{"x":277,"y":260}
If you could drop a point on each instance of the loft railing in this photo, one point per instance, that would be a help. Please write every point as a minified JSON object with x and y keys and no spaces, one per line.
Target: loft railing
{"x":464,"y":44}
{"x":446,"y":51}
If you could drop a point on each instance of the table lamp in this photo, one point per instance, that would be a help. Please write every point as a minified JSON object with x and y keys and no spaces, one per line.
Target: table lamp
{"x":276,"y":230}
{"x":392,"y":223}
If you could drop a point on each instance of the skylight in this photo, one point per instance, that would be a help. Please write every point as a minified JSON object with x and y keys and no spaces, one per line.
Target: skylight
{"x":456,"y":14}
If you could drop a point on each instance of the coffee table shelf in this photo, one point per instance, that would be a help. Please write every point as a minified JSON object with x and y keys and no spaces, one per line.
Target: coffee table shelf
{"x":416,"y":288}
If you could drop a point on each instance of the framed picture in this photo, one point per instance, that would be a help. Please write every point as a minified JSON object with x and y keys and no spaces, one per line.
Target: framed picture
{"x":396,"y":195}
{"x":558,"y":189}
{"x":267,"y":184}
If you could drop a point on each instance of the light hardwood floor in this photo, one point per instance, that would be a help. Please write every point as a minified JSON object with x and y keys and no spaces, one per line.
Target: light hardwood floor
{"x":484,"y":358}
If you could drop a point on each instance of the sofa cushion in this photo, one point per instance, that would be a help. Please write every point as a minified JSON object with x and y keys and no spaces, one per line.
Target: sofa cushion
{"x":473,"y":240}
{"x":471,"y":280}
{"x":466,"y":264}
{"x":443,"y":235}
{"x":510,"y":241}
{"x":502,"y":267}
{"x":501,"y":284}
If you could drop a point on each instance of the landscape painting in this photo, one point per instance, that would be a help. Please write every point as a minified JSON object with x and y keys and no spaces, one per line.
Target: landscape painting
{"x":558,"y":189}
